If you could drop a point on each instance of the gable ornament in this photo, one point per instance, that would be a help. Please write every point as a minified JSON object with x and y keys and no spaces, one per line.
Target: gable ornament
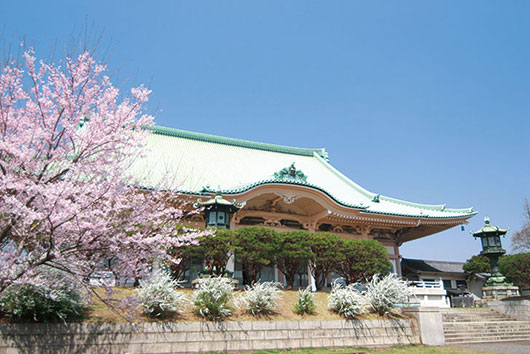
{"x":290,"y":173}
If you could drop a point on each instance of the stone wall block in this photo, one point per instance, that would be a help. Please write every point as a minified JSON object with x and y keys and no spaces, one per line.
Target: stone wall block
{"x":263,"y":344}
{"x":276,"y":334}
{"x":156,"y":348}
{"x":310,"y":324}
{"x":288,"y":325}
{"x":132,"y":348}
{"x":332,"y":324}
{"x":239,"y":326}
{"x":295,"y":334}
{"x":202,"y":336}
{"x":293,"y":343}
{"x":263,"y":325}
{"x":429,"y":322}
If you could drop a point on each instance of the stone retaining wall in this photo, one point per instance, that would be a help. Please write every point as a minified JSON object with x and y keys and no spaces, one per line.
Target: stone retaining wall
{"x":182,"y":337}
{"x":516,"y":308}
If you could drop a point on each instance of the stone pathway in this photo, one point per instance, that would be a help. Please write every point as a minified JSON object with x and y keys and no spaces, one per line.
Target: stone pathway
{"x":519,"y":347}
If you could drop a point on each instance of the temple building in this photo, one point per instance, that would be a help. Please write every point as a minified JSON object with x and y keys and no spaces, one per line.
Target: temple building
{"x":286,"y":188}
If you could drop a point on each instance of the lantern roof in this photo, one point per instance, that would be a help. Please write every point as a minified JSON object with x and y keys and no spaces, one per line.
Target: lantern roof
{"x":489,"y":229}
{"x":196,"y":161}
{"x":217,"y":200}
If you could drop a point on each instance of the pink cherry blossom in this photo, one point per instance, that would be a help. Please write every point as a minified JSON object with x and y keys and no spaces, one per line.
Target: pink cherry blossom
{"x":67,"y":138}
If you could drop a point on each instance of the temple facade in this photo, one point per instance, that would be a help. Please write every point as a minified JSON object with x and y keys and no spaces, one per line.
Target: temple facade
{"x":285,"y":188}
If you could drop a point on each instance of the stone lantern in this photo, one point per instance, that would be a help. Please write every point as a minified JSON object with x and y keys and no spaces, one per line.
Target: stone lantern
{"x":496,"y":286}
{"x":218,"y":211}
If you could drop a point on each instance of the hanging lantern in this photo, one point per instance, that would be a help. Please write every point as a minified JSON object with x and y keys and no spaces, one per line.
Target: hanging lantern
{"x":218,"y":211}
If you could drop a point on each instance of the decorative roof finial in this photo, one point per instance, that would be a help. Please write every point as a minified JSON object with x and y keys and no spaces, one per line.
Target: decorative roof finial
{"x":487,"y":220}
{"x":290,"y":174}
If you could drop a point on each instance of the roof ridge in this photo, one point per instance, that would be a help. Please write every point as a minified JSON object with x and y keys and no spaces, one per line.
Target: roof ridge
{"x":432,"y":260}
{"x":436,"y":207}
{"x":345,"y":178}
{"x":238,"y":142}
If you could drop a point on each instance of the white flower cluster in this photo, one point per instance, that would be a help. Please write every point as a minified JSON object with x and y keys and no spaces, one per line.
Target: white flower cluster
{"x":212,"y":297}
{"x":306,"y":302}
{"x":347,"y":301}
{"x":158,"y":294}
{"x":261,"y":297}
{"x":383,"y":293}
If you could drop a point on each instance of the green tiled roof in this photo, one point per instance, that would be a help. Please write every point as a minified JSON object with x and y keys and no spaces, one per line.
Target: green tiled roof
{"x":489,"y":229}
{"x":197,"y":163}
{"x":237,"y":142}
{"x":421,"y":265}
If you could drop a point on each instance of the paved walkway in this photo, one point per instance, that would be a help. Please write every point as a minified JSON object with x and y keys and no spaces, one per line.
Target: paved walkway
{"x":519,"y":347}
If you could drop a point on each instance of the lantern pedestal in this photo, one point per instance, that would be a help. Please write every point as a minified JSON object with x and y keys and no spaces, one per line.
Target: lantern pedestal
{"x":499,"y":292}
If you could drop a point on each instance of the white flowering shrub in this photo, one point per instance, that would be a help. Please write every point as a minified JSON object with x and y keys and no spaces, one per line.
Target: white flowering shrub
{"x":347,"y":301}
{"x":56,"y":296}
{"x":306,"y":302}
{"x":383,"y":293}
{"x":158,"y":295}
{"x":212,"y":297}
{"x":261,"y":298}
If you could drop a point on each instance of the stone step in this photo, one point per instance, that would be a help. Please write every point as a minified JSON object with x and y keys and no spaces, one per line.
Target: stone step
{"x":491,"y":331}
{"x":522,"y":331}
{"x":479,"y":326}
{"x":485,"y":324}
{"x":485,"y":339}
{"x":479,"y":319}
{"x":474,"y":316}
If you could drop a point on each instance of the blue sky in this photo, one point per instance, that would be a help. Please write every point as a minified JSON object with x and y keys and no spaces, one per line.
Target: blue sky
{"x":423,"y":101}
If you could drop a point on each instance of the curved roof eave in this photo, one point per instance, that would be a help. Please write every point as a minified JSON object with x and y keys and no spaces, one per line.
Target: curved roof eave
{"x":364,"y":209}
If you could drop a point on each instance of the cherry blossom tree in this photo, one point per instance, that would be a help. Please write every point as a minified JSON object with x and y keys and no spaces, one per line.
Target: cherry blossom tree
{"x":67,"y":138}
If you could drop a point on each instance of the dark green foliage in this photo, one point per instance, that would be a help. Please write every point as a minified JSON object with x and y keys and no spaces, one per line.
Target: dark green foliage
{"x":255,"y":247}
{"x":362,"y":259}
{"x":294,"y":253}
{"x":324,"y":248}
{"x":184,"y":253}
{"x":477,"y":264}
{"x":216,"y":250}
{"x":30,"y":303}
{"x":516,"y":268}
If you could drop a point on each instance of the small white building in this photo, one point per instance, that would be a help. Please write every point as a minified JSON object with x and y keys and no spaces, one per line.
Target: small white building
{"x":436,"y":277}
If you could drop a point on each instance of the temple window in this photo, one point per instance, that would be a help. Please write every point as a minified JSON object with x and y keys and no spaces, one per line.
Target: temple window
{"x":251,"y":220}
{"x":349,"y":229}
{"x":324,"y":227}
{"x":292,"y":224}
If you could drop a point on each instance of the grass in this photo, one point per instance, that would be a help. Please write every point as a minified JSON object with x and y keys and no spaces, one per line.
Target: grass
{"x":409,"y":349}
{"x":99,"y":312}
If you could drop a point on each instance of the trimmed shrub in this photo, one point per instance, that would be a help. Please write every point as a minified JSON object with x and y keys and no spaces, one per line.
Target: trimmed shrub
{"x":383,"y":293}
{"x":347,"y":301}
{"x":212,"y":297}
{"x":59,"y":298}
{"x":158,"y":295}
{"x":324,"y":259}
{"x":476,"y":264}
{"x":362,"y":259}
{"x":294,"y":253}
{"x":255,"y":247}
{"x":216,"y":249}
{"x":516,"y":268}
{"x":261,"y":298}
{"x":306,"y":302}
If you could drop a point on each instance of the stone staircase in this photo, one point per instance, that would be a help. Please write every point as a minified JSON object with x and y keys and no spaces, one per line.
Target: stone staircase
{"x":482,"y":325}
